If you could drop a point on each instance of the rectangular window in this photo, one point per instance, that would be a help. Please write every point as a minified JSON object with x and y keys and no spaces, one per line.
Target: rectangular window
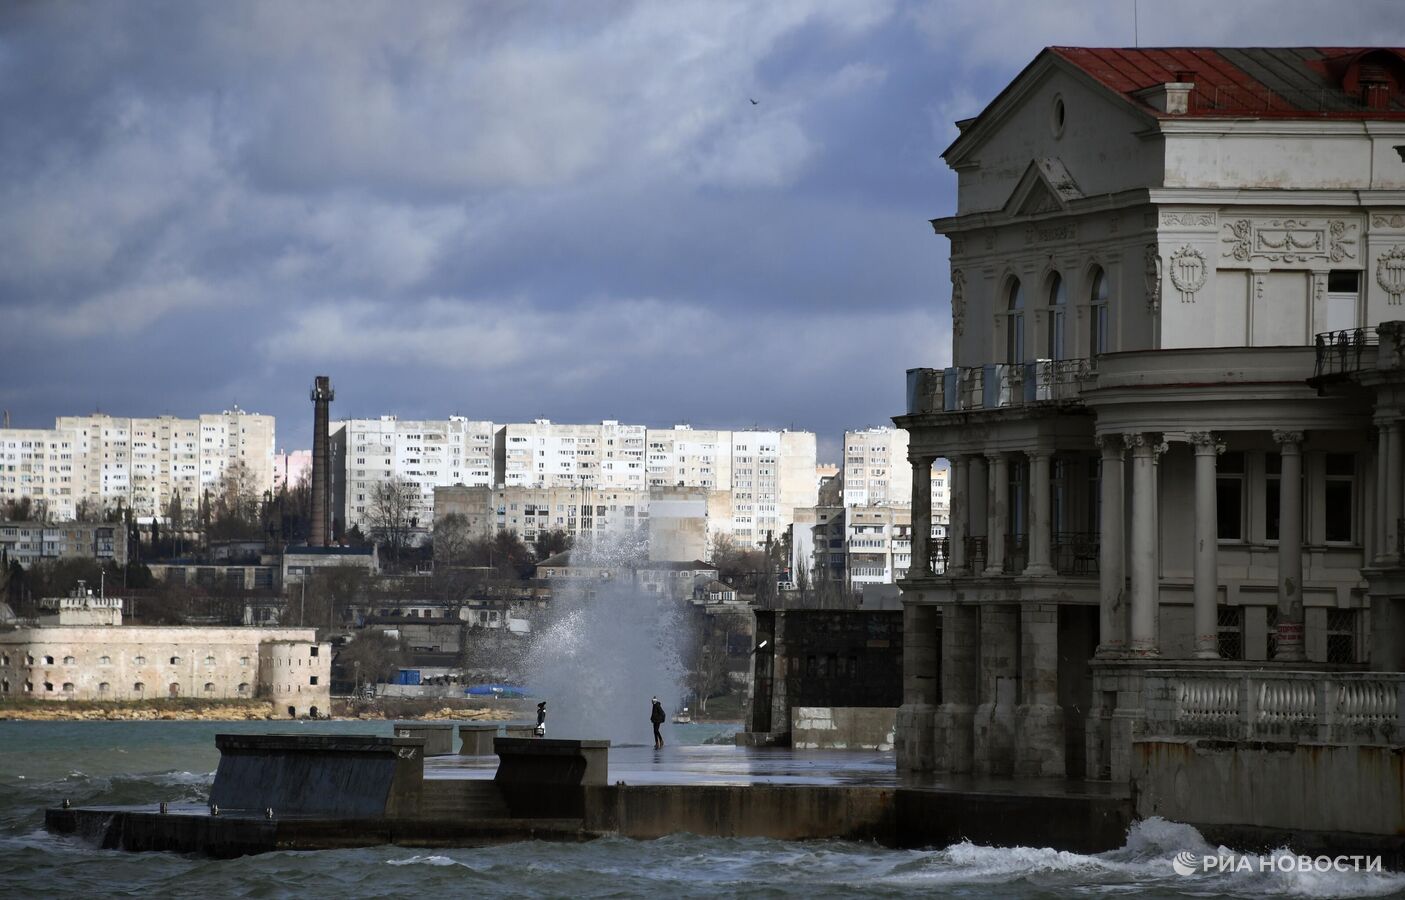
{"x":1229,"y":497}
{"x":1340,"y":513}
{"x":1273,"y":486}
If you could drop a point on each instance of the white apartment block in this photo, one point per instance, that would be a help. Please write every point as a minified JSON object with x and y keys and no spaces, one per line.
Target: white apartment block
{"x":543,"y":453}
{"x":44,"y":465}
{"x":682,"y":457}
{"x":101,"y":461}
{"x":425,"y":454}
{"x":876,"y":470}
{"x":773,"y":474}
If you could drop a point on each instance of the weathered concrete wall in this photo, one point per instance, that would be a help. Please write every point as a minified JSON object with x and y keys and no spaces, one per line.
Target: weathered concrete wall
{"x":1077,"y":823}
{"x":1317,"y":787}
{"x":784,"y":812}
{"x":334,"y":775}
{"x":842,"y":728}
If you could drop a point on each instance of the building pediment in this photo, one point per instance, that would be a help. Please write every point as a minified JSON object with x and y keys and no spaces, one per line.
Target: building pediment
{"x":1045,"y":187}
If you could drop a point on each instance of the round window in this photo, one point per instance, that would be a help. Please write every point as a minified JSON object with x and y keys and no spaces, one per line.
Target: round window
{"x":1057,"y":114}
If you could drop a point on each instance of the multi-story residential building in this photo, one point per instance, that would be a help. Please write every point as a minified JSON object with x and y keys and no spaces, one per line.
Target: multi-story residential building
{"x":424,"y":454}
{"x":773,"y":474}
{"x":45,"y":465}
{"x":1170,"y":432}
{"x":530,"y":512}
{"x":31,"y":542}
{"x":683,"y":457}
{"x":99,"y":461}
{"x":290,"y":467}
{"x":543,"y":453}
{"x":875,"y":469}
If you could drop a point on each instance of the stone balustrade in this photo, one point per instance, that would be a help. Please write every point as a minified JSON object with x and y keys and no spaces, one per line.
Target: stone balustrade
{"x":1324,"y":707}
{"x":996,"y":385}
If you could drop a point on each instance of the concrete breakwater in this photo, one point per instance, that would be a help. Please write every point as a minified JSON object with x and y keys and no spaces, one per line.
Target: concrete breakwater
{"x":317,"y":792}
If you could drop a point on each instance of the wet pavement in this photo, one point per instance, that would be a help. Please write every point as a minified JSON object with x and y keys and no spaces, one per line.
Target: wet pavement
{"x":712,"y":764}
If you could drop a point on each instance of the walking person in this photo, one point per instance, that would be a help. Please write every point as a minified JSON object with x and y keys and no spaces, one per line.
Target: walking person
{"x":541,"y":720}
{"x":657,"y":716}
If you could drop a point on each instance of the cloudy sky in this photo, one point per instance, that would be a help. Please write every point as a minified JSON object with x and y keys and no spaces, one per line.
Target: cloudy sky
{"x":509,"y":210}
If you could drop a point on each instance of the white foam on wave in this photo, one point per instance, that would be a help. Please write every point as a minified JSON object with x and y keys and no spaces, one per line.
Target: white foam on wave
{"x":1146,"y":859}
{"x":424,"y":861}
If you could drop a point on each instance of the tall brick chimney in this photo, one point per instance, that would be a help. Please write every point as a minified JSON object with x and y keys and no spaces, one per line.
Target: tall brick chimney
{"x":320,"y":529}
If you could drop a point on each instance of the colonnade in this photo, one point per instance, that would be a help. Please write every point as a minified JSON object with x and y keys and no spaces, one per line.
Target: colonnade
{"x":1128,"y":563}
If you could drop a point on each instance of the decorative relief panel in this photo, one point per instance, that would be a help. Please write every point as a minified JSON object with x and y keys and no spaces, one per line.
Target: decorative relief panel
{"x":1395,"y":220}
{"x":958,"y":302}
{"x":1152,"y":272}
{"x":1390,"y":273}
{"x":1188,"y":272}
{"x":1058,"y":231}
{"x":1189,"y":219}
{"x":1290,"y":241}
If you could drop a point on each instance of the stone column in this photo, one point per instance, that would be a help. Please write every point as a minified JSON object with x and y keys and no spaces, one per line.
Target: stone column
{"x":977,"y":497}
{"x":1391,"y":552}
{"x":1290,"y":546}
{"x":1207,"y":564}
{"x":1112,"y":577}
{"x":1145,"y":579}
{"x":994,"y":742}
{"x":997,"y":512}
{"x":961,"y":651}
{"x":916,"y":717}
{"x":956,"y":529}
{"x":1039,"y":513}
{"x":1039,"y":719}
{"x":921,"y":565}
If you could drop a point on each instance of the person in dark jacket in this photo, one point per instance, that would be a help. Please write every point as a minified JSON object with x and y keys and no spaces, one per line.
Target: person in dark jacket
{"x":657,"y":717}
{"x":541,"y":719}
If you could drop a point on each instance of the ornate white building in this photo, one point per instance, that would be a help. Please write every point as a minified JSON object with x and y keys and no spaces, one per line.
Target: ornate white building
{"x":1173,"y":441}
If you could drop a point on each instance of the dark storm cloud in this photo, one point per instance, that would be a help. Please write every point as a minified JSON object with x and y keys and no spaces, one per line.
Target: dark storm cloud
{"x":508,"y":210}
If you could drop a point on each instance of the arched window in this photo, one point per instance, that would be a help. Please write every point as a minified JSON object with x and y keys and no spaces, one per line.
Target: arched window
{"x":175,"y":689}
{"x":243,"y":687}
{"x":209,"y":687}
{"x":104,"y":688}
{"x":1058,"y":305}
{"x":139,"y":688}
{"x":1097,"y":314}
{"x":1014,"y":324}
{"x":68,"y":687}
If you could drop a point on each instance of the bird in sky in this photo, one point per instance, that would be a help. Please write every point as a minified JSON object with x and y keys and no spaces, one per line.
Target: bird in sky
{"x":753,"y":101}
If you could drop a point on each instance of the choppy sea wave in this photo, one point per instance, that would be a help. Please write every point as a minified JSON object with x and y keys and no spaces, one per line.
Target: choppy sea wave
{"x":35,"y":863}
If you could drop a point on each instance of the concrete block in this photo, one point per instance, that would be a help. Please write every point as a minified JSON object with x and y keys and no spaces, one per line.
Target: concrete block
{"x":438,"y":739}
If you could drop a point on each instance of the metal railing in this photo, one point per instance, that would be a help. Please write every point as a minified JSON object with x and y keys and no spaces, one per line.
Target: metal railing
{"x":976,"y":553}
{"x":1340,"y":352}
{"x":1075,"y":552}
{"x":1326,"y":707}
{"x":1016,"y":553}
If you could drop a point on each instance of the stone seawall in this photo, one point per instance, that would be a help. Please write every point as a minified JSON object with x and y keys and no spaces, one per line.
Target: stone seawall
{"x":1312,"y":797}
{"x":842,"y":727}
{"x":783,"y":812}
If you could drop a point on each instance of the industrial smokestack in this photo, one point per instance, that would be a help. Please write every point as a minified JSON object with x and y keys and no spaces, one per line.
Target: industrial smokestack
{"x":320,"y":529}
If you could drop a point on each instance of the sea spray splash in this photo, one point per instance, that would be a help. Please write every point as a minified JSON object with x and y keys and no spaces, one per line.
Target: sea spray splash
{"x":609,"y":646}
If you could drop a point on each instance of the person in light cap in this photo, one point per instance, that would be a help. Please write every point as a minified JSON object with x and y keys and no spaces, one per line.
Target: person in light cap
{"x":657,"y":717}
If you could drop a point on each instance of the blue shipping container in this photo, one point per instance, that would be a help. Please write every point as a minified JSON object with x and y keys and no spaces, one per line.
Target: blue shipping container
{"x":407,"y":676}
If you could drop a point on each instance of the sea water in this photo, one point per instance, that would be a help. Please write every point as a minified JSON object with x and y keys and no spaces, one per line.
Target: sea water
{"x":41,"y":763}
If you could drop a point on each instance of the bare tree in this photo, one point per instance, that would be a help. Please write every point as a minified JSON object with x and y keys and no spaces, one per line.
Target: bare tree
{"x":391,"y":514}
{"x":373,"y":654}
{"x":707,"y":676}
{"x":452,"y":540}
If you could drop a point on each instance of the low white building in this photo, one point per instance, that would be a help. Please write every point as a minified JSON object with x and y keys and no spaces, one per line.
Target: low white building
{"x":81,"y":651}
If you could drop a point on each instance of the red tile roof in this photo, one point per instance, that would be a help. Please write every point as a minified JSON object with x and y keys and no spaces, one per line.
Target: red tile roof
{"x":1265,"y":82}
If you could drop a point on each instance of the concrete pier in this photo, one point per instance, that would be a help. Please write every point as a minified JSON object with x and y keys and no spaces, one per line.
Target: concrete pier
{"x":477,"y":739}
{"x":438,"y":739}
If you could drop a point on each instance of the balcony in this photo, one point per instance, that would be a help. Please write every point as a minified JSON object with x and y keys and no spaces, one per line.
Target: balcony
{"x":1075,"y":552}
{"x":1343,"y":352}
{"x":996,"y":385}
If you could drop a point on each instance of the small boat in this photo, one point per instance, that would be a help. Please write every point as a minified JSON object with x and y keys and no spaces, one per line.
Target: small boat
{"x":683,"y":718}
